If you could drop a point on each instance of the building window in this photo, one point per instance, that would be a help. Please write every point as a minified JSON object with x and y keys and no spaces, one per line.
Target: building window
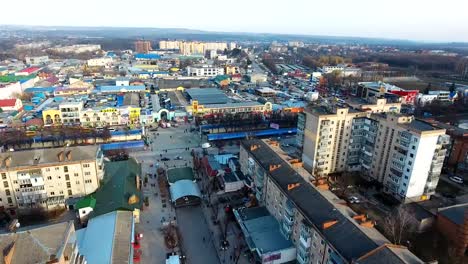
{"x":61,"y":192}
{"x":52,"y":193}
{"x":65,"y":168}
{"x":49,"y":177}
{"x":5,"y":184}
{"x":57,"y":168}
{"x":67,"y":177}
{"x":7,"y":192}
{"x":411,"y":155}
{"x":86,"y":165}
{"x":3,"y":176}
{"x":76,"y":174}
{"x":77,"y":182}
{"x":15,"y":182}
{"x":413,"y":147}
{"x":87,"y":173}
{"x":10,"y":201}
{"x":410,"y":163}
{"x":70,"y":192}
{"x":68,"y":185}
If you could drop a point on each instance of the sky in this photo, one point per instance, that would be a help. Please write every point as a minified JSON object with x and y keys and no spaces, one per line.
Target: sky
{"x":422,"y":20}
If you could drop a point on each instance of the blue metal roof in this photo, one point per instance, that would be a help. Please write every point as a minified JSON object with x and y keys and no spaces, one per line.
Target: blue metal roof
{"x":141,"y":56}
{"x":122,"y":88}
{"x":258,"y":133}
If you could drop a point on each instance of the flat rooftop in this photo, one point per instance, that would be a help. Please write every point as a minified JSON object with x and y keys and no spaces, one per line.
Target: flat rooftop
{"x":207,"y":95}
{"x":422,"y":125}
{"x":262,"y":230}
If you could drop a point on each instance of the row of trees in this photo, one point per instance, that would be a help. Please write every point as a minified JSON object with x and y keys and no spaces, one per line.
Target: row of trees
{"x":56,"y":136}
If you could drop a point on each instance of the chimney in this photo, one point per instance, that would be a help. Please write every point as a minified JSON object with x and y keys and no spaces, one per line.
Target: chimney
{"x":68,"y":155}
{"x":274,"y":167}
{"x":60,"y":156}
{"x":254,"y":147}
{"x":7,"y":162}
{"x":368,"y":223}
{"x":329,"y":224}
{"x":360,"y":218}
{"x":293,"y":185}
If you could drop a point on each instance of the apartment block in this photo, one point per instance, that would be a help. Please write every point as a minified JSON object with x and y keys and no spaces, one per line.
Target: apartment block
{"x":321,"y":229}
{"x":46,"y":178}
{"x":401,"y":152}
{"x":204,"y":71}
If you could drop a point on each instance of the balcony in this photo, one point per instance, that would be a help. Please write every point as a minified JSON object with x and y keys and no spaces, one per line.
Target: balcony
{"x":304,"y":240}
{"x":289,"y":208}
{"x":302,"y":259}
{"x":289,"y":220}
{"x":286,"y":229}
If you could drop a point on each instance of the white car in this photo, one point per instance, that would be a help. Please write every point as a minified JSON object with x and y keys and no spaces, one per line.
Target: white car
{"x":456,"y":179}
{"x":354,"y":199}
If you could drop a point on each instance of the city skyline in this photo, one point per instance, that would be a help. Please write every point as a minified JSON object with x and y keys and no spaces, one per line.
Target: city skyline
{"x":362,"y":18}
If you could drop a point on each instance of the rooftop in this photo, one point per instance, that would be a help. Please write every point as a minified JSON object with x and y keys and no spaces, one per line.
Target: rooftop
{"x":207,"y":95}
{"x":37,"y":245}
{"x":118,"y":191}
{"x":456,"y":213}
{"x":47,"y":157}
{"x":177,"y":174}
{"x":262,"y":230}
{"x":389,"y":254}
{"x":107,"y":238}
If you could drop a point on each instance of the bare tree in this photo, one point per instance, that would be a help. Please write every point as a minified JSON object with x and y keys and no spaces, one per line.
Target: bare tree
{"x":399,"y":224}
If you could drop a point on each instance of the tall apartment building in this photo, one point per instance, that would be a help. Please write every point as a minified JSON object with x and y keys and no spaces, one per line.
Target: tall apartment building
{"x":321,"y":229}
{"x":192,"y":47}
{"x":142,"y":46}
{"x":45,"y":178}
{"x":402,"y":153}
{"x":204,"y":71}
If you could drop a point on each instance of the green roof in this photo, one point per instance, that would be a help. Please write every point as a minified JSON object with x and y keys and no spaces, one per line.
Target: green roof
{"x":178,"y":174}
{"x":118,"y":186}
{"x":13,"y":78}
{"x":88,"y":201}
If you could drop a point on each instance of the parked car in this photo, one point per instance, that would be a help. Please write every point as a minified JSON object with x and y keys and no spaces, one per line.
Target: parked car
{"x":354,"y":199}
{"x":165,"y":159}
{"x":178,"y":158}
{"x":456,"y":179}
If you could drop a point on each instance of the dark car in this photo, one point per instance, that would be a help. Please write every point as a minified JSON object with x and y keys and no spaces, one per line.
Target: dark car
{"x":165,"y":159}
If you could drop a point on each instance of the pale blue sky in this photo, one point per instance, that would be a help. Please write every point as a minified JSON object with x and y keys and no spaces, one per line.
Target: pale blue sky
{"x":428,"y":20}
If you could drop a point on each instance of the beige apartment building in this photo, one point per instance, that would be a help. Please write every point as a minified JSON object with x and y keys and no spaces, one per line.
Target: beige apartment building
{"x":321,"y":228}
{"x":192,"y":47}
{"x":46,"y":178}
{"x":403,"y":153}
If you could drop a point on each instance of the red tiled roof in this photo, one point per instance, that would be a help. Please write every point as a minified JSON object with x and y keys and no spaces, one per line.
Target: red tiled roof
{"x":30,"y":70}
{"x":7,"y":102}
